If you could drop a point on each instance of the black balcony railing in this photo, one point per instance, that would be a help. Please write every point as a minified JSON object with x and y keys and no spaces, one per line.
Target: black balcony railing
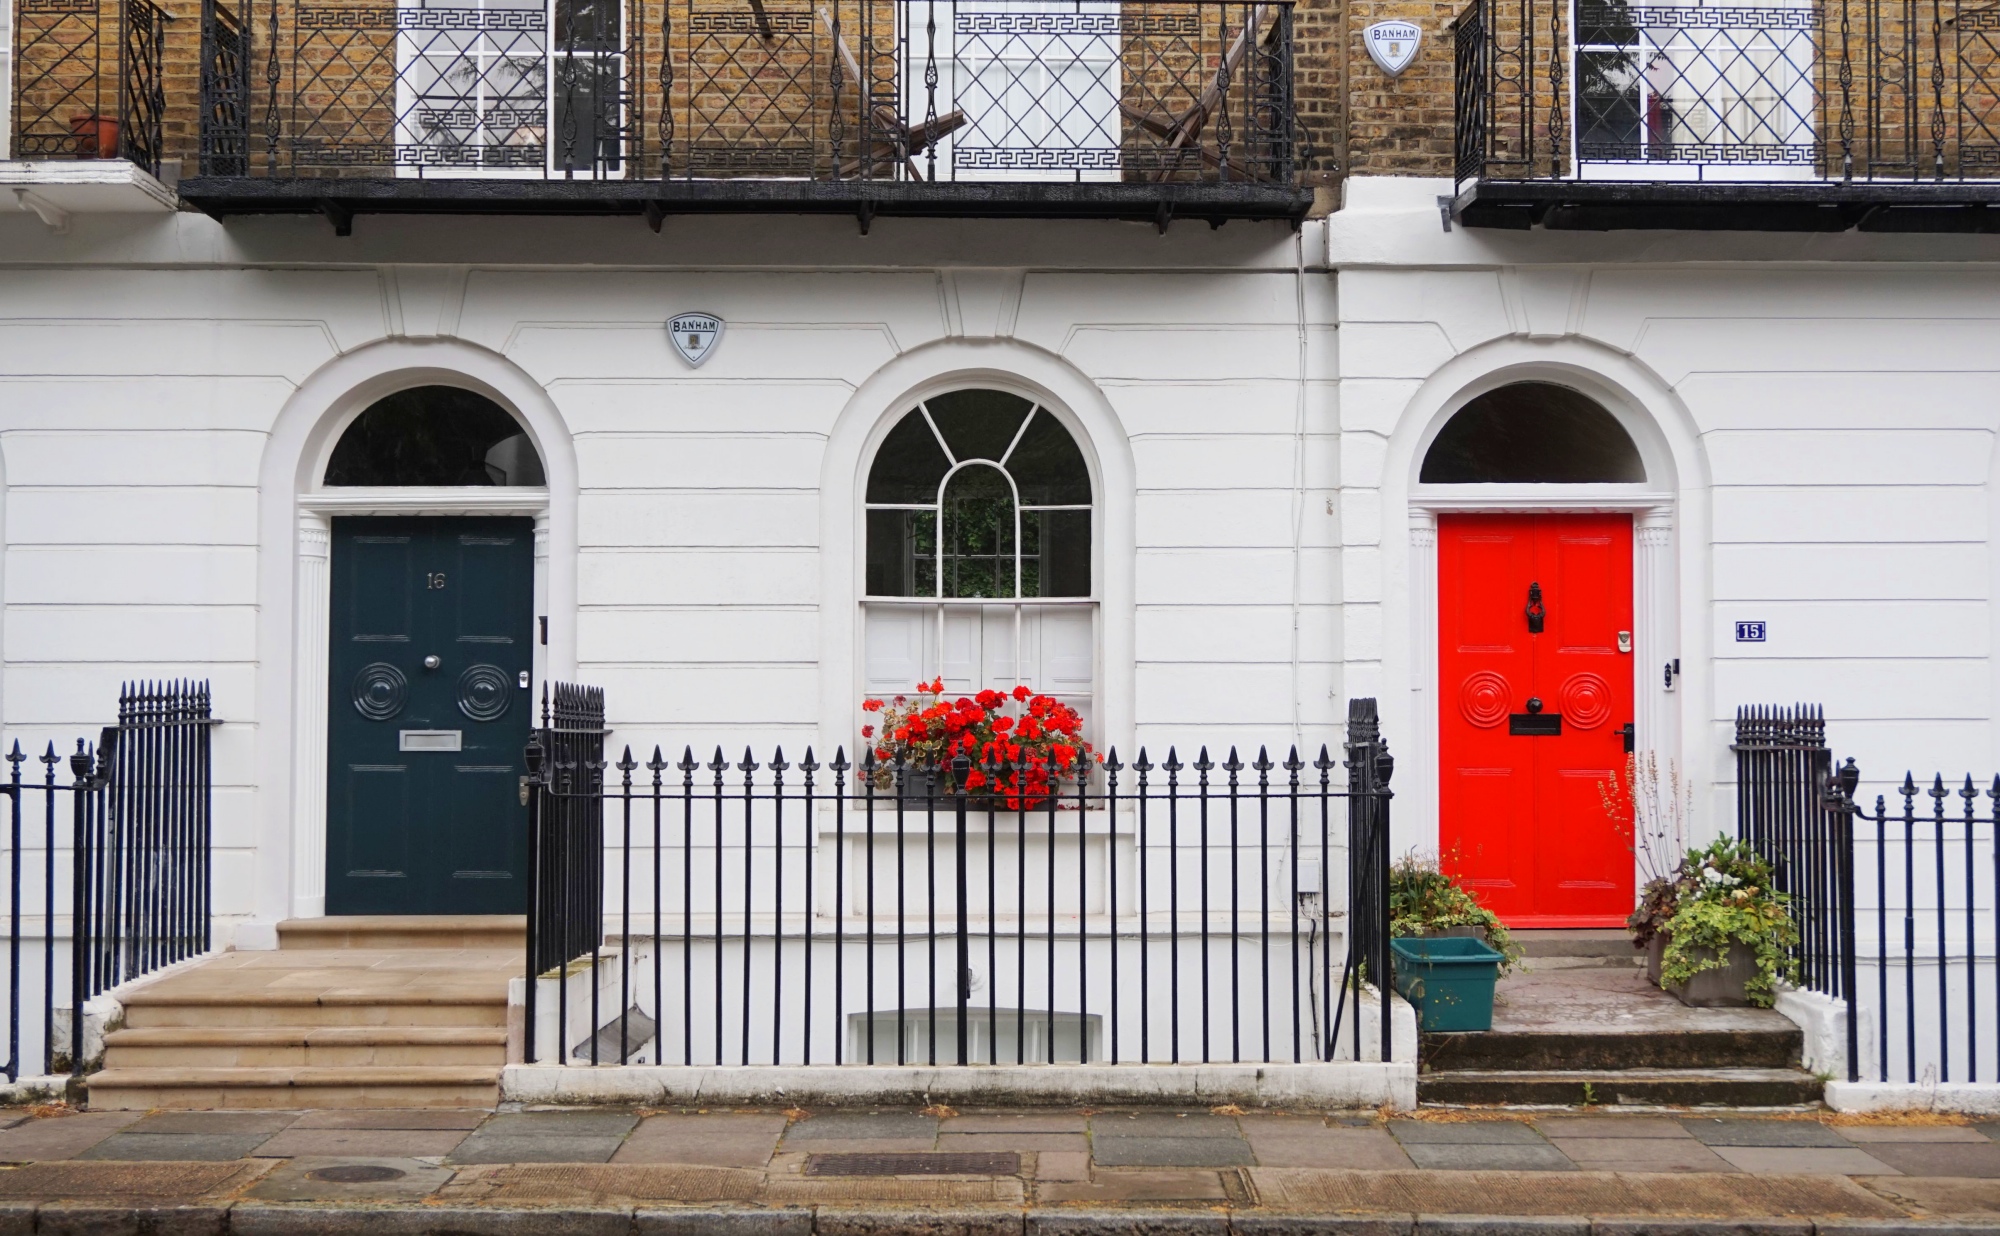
{"x":1823,"y":113}
{"x":1128,"y":108}
{"x":89,"y":80}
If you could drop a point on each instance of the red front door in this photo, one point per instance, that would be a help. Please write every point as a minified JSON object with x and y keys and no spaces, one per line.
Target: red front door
{"x":1534,"y":693}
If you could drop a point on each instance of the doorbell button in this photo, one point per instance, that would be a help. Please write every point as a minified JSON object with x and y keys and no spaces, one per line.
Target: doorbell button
{"x":433,"y":661}
{"x":1624,"y":641}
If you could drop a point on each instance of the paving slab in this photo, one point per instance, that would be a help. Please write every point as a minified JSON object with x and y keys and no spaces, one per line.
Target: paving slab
{"x":1851,"y":1161}
{"x":843,"y":1126}
{"x":367,"y":1143}
{"x":571,"y":1122}
{"x":1866,"y":1134}
{"x":393,"y":1118}
{"x":1566,"y":1193}
{"x":1137,"y":1186}
{"x":144,"y":1182}
{"x":721,"y":1139}
{"x":1469,"y":1132}
{"x":176,"y":1147}
{"x":1162,"y":1124}
{"x":1037,"y":1142}
{"x":1062,"y":1165}
{"x":1641,"y":1154}
{"x":1277,"y":1146}
{"x":595,"y":1184}
{"x":1940,"y":1158}
{"x":1470,"y":1156}
{"x":1650,"y":1128}
{"x":349,"y":1179}
{"x":482,"y":1147}
{"x":60,"y":1137}
{"x":1728,"y":1131}
{"x":244,"y":1122}
{"x":1015,"y":1122}
{"x":1109,"y":1151}
{"x":1927,"y":1196}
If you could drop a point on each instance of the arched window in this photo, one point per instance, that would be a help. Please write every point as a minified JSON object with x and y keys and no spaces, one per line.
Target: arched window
{"x":434,"y":435}
{"x":1533,"y":432}
{"x":979,"y":511}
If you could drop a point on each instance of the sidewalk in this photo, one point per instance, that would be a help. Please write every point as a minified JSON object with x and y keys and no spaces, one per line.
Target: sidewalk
{"x":601,"y":1172}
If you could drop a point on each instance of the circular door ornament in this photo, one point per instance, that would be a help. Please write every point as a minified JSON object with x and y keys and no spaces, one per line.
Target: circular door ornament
{"x":1483,"y":699}
{"x":379,"y":691}
{"x":1586,"y":701}
{"x":482,"y":692}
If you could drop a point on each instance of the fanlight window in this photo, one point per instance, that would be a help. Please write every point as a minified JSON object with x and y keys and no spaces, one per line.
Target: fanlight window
{"x":1533,"y":432}
{"x":979,"y":511}
{"x":435,"y":435}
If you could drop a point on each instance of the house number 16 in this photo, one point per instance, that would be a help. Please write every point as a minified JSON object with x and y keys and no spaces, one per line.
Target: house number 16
{"x":434,"y":580}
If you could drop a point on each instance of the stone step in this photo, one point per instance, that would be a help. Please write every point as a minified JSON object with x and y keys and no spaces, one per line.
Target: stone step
{"x":1573,"y":948}
{"x":405,"y":931}
{"x":1543,"y":1050}
{"x":1725,"y":1087}
{"x":312,"y":1046}
{"x":149,"y":1008}
{"x":186,"y":1089}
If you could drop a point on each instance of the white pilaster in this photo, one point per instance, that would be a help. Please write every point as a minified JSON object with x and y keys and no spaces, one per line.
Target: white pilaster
{"x":542,"y":615}
{"x":1418,"y":788}
{"x":1656,"y":640}
{"x":311,"y":624}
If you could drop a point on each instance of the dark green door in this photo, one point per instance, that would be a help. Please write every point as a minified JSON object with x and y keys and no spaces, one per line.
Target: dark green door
{"x":430,"y":707}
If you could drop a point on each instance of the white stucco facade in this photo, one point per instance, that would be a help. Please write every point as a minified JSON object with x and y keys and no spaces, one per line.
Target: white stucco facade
{"x":1816,"y":415}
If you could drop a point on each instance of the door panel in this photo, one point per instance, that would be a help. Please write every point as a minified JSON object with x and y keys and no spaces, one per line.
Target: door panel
{"x":436,"y":828}
{"x":1521,"y":819}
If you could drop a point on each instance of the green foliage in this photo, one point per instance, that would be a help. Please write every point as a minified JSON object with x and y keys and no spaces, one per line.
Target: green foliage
{"x":1424,"y":899}
{"x":1723,"y":895}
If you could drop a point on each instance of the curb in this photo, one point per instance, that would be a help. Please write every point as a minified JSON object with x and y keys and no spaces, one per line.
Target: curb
{"x":267,"y":1219}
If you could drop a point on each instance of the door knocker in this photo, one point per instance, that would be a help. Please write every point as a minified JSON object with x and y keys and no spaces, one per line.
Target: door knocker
{"x":1535,"y":611}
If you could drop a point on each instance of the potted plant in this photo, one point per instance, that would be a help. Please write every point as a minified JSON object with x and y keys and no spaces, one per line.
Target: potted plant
{"x":1730,"y":936}
{"x":1652,"y":808}
{"x":96,"y":135}
{"x":1021,"y":746}
{"x":1426,"y":902}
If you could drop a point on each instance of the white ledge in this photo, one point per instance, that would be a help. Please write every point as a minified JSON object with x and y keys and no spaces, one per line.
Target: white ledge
{"x":82,"y":186}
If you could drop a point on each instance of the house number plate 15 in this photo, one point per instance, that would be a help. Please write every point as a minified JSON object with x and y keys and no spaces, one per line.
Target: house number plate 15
{"x":1749,"y":632}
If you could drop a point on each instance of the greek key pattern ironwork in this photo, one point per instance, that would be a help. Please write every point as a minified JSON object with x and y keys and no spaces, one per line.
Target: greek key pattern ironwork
{"x":1185,"y":25}
{"x":38,"y":8}
{"x":733,"y":22}
{"x":1031,"y":158}
{"x":1688,"y":17}
{"x":318,"y":20}
{"x":1779,"y":154}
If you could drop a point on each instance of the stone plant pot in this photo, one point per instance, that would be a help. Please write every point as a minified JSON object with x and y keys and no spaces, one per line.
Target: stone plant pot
{"x":1726,"y":987}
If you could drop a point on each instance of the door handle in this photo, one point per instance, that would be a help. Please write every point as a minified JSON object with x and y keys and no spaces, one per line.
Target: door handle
{"x":1630,"y":733}
{"x":432,"y":661}
{"x":1535,"y":611}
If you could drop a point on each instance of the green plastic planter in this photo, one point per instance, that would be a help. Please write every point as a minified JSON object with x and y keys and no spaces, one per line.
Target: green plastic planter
{"x":1449,"y":979}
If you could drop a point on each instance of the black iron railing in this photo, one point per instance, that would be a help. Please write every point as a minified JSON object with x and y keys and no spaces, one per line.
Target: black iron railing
{"x":1897,"y":909}
{"x":779,"y":912}
{"x":89,"y":80}
{"x":821,"y":90}
{"x":1777,"y":91}
{"x":135,"y":812}
{"x":564,"y":794}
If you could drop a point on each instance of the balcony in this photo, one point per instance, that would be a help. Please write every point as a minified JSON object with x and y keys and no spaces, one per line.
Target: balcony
{"x":89,"y":108}
{"x":1786,"y":115}
{"x":1127,"y":109}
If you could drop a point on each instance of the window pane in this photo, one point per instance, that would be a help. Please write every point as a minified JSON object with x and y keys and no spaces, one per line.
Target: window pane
{"x":1607,"y":104}
{"x":1055,"y":553}
{"x":978,"y":424}
{"x":909,"y":465}
{"x":1532,"y":432}
{"x":901,"y":554}
{"x":979,"y":534}
{"x":434,"y":435}
{"x":1048,"y":467}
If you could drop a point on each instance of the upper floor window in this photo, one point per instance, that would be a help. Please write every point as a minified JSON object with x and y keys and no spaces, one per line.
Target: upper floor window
{"x":435,"y":435}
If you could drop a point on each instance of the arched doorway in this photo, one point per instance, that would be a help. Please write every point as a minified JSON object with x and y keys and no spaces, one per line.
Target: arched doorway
{"x":1536,"y":638}
{"x":430,"y":663}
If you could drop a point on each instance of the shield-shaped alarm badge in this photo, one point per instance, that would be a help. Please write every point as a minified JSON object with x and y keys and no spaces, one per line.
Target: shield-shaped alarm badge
{"x":695,"y":336}
{"x":1392,"y":45}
